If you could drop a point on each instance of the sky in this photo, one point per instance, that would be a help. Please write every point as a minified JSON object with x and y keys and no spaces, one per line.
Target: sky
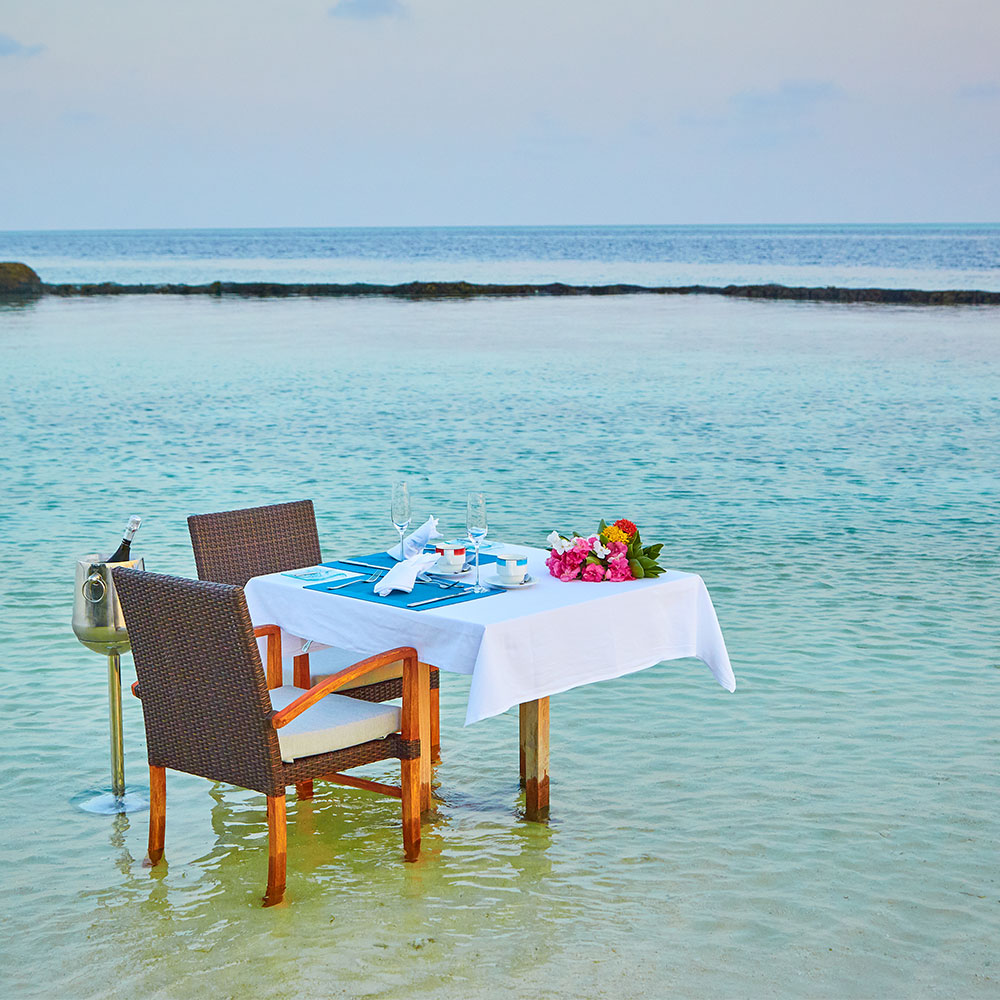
{"x":204,"y":113}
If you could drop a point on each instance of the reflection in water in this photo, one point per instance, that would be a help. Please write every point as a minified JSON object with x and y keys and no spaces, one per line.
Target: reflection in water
{"x":119,"y":827}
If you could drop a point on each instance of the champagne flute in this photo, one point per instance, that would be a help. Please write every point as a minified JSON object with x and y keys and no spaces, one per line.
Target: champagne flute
{"x":477,"y":527}
{"x":400,"y":511}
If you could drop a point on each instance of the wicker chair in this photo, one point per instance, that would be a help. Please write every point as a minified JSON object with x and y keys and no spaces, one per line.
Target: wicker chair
{"x":233,"y":546}
{"x":208,"y":710}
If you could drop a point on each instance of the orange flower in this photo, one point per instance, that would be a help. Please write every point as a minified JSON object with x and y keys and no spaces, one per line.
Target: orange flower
{"x":626,"y":526}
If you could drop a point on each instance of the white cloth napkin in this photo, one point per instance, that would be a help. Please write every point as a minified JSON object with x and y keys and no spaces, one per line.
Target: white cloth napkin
{"x":416,"y":542}
{"x":403,"y":575}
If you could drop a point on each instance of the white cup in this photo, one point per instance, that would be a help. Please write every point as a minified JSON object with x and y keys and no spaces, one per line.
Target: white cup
{"x":511,"y":567}
{"x":451,"y":555}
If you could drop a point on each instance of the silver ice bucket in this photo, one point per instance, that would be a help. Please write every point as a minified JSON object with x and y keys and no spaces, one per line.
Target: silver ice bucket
{"x":97,"y":614}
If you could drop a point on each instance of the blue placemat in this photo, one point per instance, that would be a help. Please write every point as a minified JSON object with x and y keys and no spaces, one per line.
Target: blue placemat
{"x":361,"y":590}
{"x":386,"y":561}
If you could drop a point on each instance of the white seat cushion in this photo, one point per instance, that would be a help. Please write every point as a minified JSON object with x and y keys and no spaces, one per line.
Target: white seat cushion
{"x":332,"y":723}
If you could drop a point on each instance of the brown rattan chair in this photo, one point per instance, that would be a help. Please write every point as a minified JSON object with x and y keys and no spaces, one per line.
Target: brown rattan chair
{"x":233,"y":546}
{"x":208,"y":709}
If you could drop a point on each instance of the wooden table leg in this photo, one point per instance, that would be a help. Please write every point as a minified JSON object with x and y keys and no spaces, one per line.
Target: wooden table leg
{"x":534,"y":721}
{"x":425,"y":737}
{"x":523,"y":723}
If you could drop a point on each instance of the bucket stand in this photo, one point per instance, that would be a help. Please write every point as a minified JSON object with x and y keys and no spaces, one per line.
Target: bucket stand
{"x":99,"y":624}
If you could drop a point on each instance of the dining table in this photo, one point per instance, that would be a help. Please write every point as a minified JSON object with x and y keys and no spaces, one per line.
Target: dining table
{"x":520,"y":644}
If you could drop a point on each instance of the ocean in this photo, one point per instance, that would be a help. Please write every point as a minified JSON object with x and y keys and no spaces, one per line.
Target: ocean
{"x":828,"y":830}
{"x":899,"y":256}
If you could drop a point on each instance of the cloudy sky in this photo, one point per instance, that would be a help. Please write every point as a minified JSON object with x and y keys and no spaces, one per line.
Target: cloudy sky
{"x":135,"y":113}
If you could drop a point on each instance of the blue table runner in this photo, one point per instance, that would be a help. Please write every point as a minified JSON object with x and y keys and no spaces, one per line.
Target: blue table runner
{"x":361,"y":590}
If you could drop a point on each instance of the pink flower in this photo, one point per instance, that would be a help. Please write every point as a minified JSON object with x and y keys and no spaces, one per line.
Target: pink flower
{"x":593,"y":573}
{"x":619,"y":570}
{"x":617,"y":549}
{"x":563,"y":567}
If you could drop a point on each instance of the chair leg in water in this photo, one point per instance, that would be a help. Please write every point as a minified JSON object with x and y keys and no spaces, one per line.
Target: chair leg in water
{"x":277,"y":849}
{"x":411,"y":788}
{"x":157,"y":814}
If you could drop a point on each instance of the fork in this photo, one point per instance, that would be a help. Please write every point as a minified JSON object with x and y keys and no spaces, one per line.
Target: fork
{"x":347,"y":583}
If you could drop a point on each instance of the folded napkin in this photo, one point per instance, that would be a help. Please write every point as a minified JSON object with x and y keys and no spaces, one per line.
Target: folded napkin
{"x":415,"y":543}
{"x":403,"y":575}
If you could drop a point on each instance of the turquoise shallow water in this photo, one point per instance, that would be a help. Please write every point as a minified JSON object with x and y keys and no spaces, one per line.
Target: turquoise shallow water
{"x":828,"y":830}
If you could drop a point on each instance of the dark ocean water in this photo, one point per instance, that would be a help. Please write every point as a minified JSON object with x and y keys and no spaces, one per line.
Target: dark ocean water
{"x":900,"y":256}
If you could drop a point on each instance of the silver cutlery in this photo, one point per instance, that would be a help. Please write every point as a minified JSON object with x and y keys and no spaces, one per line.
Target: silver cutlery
{"x":347,"y":583}
{"x":443,"y":597}
{"x":354,"y":562}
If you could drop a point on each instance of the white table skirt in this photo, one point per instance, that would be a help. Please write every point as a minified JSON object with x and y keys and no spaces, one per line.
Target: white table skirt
{"x":521,"y":645}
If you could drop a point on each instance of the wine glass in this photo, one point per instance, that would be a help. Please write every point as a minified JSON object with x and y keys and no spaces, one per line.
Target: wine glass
{"x":400,"y":511}
{"x":477,"y":527}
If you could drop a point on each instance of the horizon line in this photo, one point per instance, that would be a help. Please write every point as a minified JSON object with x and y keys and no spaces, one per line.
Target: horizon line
{"x":526,"y":226}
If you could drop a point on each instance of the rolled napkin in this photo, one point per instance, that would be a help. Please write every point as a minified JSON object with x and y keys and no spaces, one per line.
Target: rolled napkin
{"x":403,"y":575}
{"x":416,"y":542}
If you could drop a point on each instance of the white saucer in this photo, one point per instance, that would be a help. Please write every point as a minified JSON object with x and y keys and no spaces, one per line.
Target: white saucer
{"x":495,"y":581}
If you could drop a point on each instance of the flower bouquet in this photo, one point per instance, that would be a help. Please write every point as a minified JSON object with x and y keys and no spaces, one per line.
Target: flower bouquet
{"x":615,"y":553}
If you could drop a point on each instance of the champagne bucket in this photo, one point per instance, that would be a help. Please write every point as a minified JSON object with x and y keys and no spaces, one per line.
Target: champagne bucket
{"x":97,"y":614}
{"x":100,"y":625}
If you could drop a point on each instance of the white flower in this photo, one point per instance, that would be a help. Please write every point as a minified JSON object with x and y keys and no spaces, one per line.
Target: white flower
{"x":558,"y":543}
{"x":599,"y":550}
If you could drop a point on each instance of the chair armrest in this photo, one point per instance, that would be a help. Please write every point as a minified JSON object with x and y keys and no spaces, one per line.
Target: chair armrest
{"x":330,"y":684}
{"x":273,"y":634}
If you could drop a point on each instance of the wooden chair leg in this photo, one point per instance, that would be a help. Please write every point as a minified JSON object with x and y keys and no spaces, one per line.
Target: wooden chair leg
{"x":436,"y":724}
{"x":301,"y":677}
{"x":304,"y":790}
{"x":410,"y":781}
{"x":157,"y":813}
{"x":277,"y":849}
{"x":424,"y":716}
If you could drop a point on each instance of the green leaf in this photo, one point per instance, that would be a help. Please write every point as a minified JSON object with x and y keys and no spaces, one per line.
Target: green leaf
{"x":654,"y":550}
{"x":603,"y":526}
{"x":637,"y":571}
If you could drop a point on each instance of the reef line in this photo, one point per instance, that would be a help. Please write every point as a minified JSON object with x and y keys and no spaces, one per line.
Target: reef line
{"x":467,"y":290}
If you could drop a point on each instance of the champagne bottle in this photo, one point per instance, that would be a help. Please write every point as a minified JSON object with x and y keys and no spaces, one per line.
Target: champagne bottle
{"x":122,"y":552}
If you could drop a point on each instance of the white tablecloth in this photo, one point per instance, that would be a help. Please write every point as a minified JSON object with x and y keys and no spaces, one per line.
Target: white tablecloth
{"x":520,"y":645}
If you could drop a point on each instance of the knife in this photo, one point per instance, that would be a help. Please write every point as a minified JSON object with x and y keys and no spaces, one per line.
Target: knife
{"x":354,"y":562}
{"x":443,"y":597}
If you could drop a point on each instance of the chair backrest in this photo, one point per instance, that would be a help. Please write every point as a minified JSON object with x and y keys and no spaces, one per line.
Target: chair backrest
{"x":204,"y":697}
{"x":235,"y":545}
